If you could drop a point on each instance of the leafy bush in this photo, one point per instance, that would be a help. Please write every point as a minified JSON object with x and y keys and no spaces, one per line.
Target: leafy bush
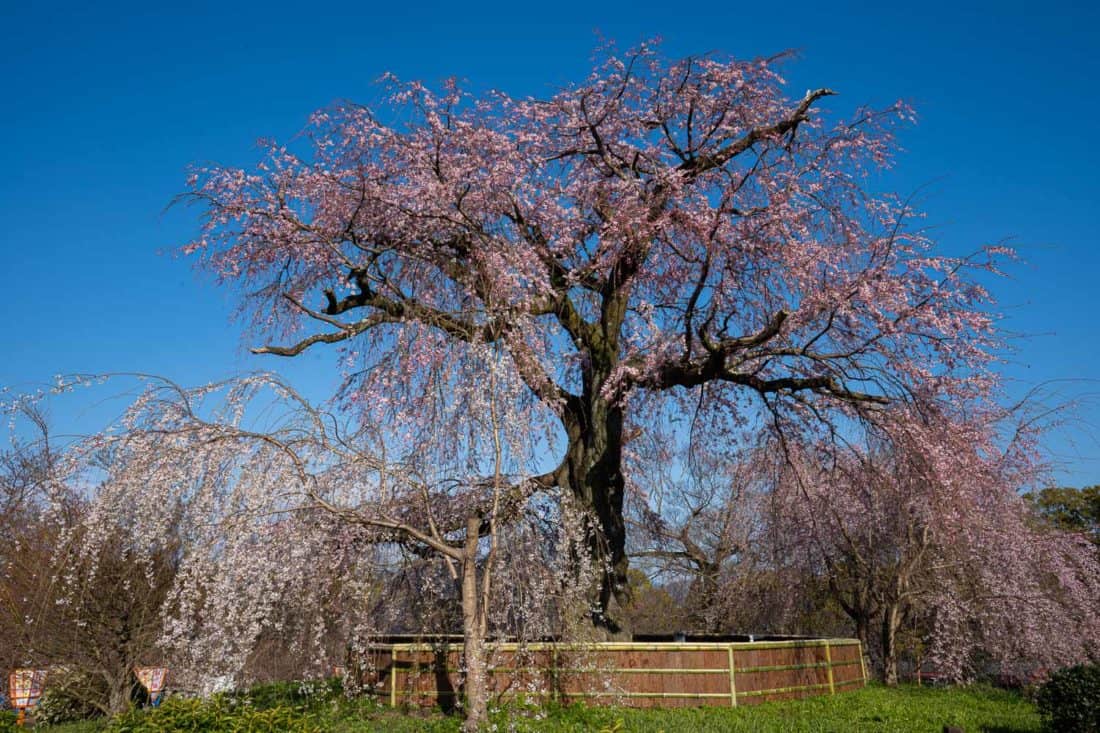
{"x":7,"y":721}
{"x":62,"y":705}
{"x":300,"y":694}
{"x":1070,"y":700}
{"x":217,"y":715}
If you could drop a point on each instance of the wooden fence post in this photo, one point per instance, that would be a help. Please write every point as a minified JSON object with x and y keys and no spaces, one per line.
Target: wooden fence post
{"x":829,"y":667}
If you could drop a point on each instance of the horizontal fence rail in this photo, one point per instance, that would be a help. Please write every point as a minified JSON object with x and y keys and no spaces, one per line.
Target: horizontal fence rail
{"x":623,"y":673}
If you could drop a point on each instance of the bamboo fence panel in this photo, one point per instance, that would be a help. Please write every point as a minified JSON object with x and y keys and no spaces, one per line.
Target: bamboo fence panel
{"x":663,"y":674}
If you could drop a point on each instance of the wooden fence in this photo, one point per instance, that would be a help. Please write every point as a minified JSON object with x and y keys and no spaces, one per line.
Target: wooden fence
{"x":670,"y":674}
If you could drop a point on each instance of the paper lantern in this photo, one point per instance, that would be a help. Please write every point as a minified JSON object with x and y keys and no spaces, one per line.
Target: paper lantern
{"x":152,"y":679}
{"x":25,"y":689}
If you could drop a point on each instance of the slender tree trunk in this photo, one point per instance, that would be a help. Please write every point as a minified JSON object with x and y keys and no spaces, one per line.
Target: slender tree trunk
{"x":863,"y":631}
{"x":891,"y":619}
{"x":118,"y":700}
{"x":473,"y":634}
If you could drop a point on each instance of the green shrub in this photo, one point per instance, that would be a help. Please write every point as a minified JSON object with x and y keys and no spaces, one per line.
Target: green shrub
{"x":1070,"y":700}
{"x":299,"y":694}
{"x":7,"y":721}
{"x":216,"y":715}
{"x":62,"y":705}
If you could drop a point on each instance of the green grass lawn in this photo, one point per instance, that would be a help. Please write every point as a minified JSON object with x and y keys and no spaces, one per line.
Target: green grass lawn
{"x":876,"y":708}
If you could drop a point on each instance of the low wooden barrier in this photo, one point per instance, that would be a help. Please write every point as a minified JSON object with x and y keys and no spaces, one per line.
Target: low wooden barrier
{"x":668,"y":674}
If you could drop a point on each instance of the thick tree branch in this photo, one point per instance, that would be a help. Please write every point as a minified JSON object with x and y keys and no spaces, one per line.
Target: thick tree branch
{"x":700,"y":164}
{"x":715,"y":366}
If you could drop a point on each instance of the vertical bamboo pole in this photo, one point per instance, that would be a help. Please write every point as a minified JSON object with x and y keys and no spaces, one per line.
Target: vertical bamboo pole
{"x":393,"y":677}
{"x":555,"y":675}
{"x":733,"y":679}
{"x":829,"y":663}
{"x":862,"y":664}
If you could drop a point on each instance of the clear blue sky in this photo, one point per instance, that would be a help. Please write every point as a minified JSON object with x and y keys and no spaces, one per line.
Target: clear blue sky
{"x":105,"y":104}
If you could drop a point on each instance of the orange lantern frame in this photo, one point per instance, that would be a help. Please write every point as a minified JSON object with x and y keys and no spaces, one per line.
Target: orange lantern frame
{"x":154,"y":680}
{"x":25,"y":688}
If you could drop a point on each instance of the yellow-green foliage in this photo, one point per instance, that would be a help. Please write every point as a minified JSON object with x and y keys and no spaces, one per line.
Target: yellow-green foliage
{"x":7,"y":721}
{"x":874,"y":710}
{"x":217,"y":715}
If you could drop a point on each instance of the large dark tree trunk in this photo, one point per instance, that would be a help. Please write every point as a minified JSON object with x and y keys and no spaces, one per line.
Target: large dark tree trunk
{"x":592,"y":474}
{"x":703,"y":594}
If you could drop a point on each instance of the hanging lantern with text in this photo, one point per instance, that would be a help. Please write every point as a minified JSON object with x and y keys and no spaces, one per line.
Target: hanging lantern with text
{"x":153,"y":679}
